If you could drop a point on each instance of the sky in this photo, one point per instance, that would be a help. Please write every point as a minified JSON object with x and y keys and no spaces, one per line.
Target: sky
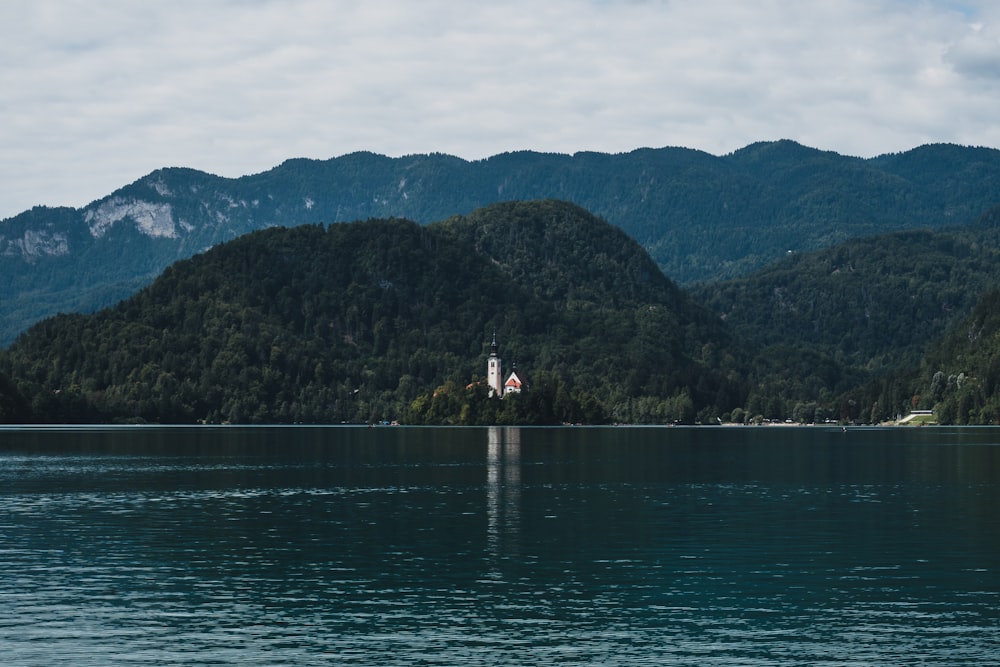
{"x":95,"y":95}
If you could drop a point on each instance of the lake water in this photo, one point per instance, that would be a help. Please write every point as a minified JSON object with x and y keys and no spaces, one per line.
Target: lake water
{"x":425,"y":546}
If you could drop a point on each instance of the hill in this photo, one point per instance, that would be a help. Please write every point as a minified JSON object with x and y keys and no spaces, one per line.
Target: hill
{"x":866,"y":311}
{"x":387,"y":319}
{"x":960,"y":376}
{"x":702,"y":218}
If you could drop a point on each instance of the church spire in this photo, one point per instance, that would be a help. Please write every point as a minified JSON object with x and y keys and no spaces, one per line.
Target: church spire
{"x":493,"y":377}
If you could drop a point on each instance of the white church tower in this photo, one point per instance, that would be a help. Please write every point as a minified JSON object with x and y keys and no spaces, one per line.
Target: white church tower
{"x":493,"y":377}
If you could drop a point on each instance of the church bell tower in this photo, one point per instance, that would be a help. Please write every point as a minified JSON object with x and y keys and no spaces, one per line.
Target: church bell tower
{"x":493,"y":377}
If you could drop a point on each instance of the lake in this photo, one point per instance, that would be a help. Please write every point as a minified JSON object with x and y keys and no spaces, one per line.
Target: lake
{"x":506,"y":546}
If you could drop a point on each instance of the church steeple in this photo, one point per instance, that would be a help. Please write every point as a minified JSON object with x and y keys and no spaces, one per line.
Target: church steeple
{"x":493,"y":377}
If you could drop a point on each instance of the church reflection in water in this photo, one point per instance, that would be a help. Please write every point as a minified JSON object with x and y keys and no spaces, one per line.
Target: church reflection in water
{"x":503,"y":491}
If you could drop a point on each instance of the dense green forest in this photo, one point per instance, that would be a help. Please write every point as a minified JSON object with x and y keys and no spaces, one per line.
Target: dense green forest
{"x":703,"y":218}
{"x":960,"y":377}
{"x":842,"y":333}
{"x":388,"y":320}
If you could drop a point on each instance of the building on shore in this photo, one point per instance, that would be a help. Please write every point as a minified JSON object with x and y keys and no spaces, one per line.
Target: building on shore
{"x":494,"y":374}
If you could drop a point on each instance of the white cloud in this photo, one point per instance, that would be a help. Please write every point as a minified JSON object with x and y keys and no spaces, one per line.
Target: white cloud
{"x":99,"y":94}
{"x":977,"y":54}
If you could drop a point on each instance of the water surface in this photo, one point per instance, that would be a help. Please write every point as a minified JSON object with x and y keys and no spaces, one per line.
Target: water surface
{"x":404,"y":546}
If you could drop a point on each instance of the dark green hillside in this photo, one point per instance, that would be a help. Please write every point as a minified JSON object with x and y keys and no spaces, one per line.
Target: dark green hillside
{"x":14,"y":409}
{"x":620,"y":328}
{"x":301,"y":324}
{"x":865,"y":310}
{"x":960,"y":377}
{"x":871,"y":303}
{"x":543,"y":244}
{"x":968,"y":175}
{"x":701,"y":217}
{"x":387,"y":319}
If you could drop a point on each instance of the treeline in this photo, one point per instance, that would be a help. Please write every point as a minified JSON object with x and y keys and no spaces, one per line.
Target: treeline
{"x":860,"y":331}
{"x":388,"y":320}
{"x":959,"y":377}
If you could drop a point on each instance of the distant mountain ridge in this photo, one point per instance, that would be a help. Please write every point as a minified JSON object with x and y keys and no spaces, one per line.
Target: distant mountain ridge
{"x":701,"y":217}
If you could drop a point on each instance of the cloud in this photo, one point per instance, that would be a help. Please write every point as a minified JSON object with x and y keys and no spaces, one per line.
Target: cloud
{"x":96,"y":96}
{"x":977,"y":54}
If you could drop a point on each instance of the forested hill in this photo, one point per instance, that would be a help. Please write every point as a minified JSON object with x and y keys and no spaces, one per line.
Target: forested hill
{"x":875,"y":312}
{"x":874,"y":302}
{"x":960,"y":376}
{"x":386,"y":319}
{"x":701,"y":217}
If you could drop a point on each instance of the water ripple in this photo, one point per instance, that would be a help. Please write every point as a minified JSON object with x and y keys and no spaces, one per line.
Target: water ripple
{"x":150,"y":560}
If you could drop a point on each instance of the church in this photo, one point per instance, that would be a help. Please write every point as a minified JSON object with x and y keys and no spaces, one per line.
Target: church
{"x":494,"y":375}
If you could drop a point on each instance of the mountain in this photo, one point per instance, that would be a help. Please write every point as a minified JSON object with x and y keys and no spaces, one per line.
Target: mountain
{"x":875,"y":302}
{"x":864,"y":311}
{"x":702,"y":218}
{"x":387,"y":319}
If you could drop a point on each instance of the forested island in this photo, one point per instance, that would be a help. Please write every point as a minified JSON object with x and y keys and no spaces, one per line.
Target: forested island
{"x":389,"y":320}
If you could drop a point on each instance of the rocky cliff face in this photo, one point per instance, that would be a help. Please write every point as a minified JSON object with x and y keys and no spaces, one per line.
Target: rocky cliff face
{"x":35,"y":243}
{"x":152,"y":219}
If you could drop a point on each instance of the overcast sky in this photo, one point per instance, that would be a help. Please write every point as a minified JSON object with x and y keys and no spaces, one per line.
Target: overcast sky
{"x":94,"y":95}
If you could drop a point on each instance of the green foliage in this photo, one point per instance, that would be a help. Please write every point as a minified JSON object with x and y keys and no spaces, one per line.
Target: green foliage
{"x":873,"y":303}
{"x":846,"y":327}
{"x":960,"y":377}
{"x":385,"y":320}
{"x":14,"y":409}
{"x":388,"y":320}
{"x":701,"y":217}
{"x":549,"y":401}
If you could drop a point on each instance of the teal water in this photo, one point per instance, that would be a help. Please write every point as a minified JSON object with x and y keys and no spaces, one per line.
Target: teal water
{"x":422,"y":546}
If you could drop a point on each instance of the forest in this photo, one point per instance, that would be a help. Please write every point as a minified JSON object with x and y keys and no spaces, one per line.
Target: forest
{"x":387,"y":320}
{"x":702,"y":218}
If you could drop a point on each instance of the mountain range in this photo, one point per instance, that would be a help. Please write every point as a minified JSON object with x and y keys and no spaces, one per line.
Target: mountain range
{"x":702,"y":218}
